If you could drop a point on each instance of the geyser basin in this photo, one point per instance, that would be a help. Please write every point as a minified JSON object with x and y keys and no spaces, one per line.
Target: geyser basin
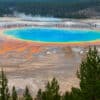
{"x":44,"y":35}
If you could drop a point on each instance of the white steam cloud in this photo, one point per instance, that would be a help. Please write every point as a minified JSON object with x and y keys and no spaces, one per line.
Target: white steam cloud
{"x":29,"y":17}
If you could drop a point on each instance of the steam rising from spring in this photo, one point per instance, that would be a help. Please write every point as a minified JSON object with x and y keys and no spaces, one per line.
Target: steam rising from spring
{"x":29,"y":17}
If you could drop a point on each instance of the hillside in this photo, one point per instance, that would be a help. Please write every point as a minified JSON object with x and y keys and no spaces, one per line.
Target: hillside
{"x":61,"y":8}
{"x":47,"y":0}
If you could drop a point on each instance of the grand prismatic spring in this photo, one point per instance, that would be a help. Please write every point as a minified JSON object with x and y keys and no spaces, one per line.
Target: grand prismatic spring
{"x":44,"y":35}
{"x":42,"y":53}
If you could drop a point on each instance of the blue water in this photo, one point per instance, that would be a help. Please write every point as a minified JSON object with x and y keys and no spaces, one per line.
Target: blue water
{"x":54,"y":35}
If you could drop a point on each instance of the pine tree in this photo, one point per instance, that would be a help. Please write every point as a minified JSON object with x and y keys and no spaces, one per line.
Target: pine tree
{"x":39,"y":95}
{"x":89,"y":75}
{"x":27,"y":95}
{"x":51,"y":91}
{"x":4,"y":91}
{"x":66,"y":96}
{"x":14,"y":94}
{"x":75,"y":94}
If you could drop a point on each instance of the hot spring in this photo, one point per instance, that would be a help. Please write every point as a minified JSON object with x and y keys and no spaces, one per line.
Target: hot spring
{"x":44,"y":35}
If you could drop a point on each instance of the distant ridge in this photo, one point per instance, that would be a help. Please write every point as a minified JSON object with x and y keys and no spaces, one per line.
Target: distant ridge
{"x":56,"y":8}
{"x":57,"y":1}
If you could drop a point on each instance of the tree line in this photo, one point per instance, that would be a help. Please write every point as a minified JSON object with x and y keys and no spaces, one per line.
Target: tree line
{"x":89,"y":87}
{"x":58,"y":9}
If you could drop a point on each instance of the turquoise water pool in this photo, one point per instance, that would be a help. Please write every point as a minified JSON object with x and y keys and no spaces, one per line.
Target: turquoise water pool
{"x":54,"y":35}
